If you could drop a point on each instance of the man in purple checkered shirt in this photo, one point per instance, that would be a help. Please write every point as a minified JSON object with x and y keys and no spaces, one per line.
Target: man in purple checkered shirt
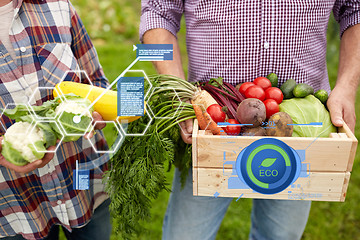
{"x":241,"y":40}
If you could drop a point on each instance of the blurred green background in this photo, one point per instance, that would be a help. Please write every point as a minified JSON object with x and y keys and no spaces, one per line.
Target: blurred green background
{"x":113,"y":27}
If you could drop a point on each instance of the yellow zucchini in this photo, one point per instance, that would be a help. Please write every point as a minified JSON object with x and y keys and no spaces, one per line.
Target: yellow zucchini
{"x":106,"y":106}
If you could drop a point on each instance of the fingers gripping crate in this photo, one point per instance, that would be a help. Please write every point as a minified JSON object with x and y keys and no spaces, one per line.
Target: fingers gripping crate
{"x":316,"y":169}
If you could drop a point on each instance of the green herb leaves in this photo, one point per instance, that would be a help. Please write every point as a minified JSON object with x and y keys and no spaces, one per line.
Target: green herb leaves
{"x":137,"y":170}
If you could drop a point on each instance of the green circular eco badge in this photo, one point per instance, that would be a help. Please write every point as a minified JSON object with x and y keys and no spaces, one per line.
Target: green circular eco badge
{"x":268,"y":166}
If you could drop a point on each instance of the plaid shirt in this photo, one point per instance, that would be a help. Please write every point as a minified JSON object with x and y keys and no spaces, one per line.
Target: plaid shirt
{"x":49,"y":39}
{"x":242,"y":40}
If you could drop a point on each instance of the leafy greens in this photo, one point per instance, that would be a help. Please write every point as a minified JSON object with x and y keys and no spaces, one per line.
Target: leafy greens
{"x":308,"y":110}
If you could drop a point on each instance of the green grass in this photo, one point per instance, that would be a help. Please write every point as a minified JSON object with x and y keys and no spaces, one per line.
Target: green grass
{"x":327,"y":220}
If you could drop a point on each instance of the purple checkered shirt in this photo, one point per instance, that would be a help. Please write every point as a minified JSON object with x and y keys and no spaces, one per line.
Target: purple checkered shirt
{"x":242,"y":40}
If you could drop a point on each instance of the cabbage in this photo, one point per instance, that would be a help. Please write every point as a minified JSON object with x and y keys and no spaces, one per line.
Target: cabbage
{"x":307,"y":110}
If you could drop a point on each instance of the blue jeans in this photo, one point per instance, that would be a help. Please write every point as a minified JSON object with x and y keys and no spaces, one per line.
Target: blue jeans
{"x":189,"y":217}
{"x":99,"y":227}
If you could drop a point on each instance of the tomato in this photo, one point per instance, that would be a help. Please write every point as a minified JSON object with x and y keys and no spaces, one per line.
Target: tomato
{"x":216,"y":113}
{"x":274,"y":93}
{"x":271,"y":106}
{"x":245,"y":86}
{"x":262,"y":82}
{"x":233,"y":130}
{"x":255,"y":92}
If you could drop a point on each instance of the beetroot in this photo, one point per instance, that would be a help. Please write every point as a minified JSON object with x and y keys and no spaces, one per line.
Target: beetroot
{"x":251,"y":111}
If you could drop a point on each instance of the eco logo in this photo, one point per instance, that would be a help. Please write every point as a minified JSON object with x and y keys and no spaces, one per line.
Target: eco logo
{"x":268,"y":166}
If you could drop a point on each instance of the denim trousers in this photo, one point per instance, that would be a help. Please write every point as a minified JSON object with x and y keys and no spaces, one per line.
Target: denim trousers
{"x":99,"y":227}
{"x":192,"y":217}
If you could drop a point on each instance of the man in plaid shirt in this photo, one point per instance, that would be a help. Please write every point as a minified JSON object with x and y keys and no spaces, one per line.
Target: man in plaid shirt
{"x":239,"y":41}
{"x":40,"y":42}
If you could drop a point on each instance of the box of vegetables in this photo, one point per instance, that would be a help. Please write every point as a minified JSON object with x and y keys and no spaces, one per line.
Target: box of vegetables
{"x":256,"y":140}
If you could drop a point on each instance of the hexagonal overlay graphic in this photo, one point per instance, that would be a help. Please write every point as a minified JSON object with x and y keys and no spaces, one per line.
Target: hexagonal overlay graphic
{"x":73,"y":75}
{"x":124,"y":122}
{"x":154,"y":111}
{"x":57,"y":126}
{"x":12,"y":106}
{"x":37,"y":94}
{"x":145,"y":77}
{"x":116,"y":145}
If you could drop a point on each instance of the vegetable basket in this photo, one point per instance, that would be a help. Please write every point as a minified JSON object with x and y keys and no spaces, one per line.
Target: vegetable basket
{"x":323,"y":167}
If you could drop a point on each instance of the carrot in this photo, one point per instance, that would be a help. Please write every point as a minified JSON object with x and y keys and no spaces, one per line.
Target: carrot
{"x":205,"y":122}
{"x":212,"y":126}
{"x":199,"y":116}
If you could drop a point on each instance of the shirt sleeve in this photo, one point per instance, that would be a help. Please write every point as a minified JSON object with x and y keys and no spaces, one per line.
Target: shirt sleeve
{"x":164,"y":14}
{"x":85,"y":51}
{"x":347,"y":13}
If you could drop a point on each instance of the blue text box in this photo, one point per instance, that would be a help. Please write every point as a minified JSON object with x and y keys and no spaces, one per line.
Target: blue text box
{"x":81,"y":179}
{"x":154,"y":52}
{"x":130,"y":96}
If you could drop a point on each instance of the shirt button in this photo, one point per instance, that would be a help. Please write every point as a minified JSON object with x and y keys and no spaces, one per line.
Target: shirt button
{"x":23,"y":49}
{"x":59,"y":202}
{"x":266,"y":45}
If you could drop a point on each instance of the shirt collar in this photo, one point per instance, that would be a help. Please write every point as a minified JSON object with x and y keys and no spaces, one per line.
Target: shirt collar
{"x":17,"y":5}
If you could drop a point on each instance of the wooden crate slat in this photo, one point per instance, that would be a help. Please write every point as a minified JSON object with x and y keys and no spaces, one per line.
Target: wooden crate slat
{"x":194,"y":156}
{"x":345,"y":186}
{"x":334,"y":135}
{"x":346,"y":129}
{"x":343,"y":135}
{"x":324,"y":154}
{"x":329,"y":185}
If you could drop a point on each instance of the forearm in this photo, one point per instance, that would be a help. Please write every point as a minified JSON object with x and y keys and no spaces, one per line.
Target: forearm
{"x":173,"y":67}
{"x":341,"y":102}
{"x":349,"y":71}
{"x":162,"y":36}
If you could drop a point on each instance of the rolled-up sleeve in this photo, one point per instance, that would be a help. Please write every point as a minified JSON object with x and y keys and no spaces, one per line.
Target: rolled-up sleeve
{"x":347,"y":13}
{"x":164,"y":14}
{"x":85,"y":52}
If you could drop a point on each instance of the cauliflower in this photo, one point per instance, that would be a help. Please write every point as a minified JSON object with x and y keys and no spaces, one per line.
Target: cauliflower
{"x":20,"y":143}
{"x":20,"y":147}
{"x":73,"y":107}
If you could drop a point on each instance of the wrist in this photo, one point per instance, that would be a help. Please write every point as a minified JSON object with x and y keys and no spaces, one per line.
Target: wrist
{"x":347,"y":84}
{"x":348,"y":81}
{"x":347,"y":89}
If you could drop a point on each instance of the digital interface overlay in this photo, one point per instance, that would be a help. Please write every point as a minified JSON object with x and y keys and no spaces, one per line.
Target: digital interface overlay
{"x":267,"y":166}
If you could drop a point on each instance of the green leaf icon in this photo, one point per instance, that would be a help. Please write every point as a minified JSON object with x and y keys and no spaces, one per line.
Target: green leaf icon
{"x":267,"y":162}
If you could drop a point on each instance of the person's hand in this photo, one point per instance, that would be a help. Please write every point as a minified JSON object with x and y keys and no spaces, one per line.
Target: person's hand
{"x":30,"y":166}
{"x":341,"y":104}
{"x":186,"y":131}
{"x":98,"y":126}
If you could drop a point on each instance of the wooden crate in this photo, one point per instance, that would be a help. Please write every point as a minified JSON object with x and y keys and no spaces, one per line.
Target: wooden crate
{"x":330,"y":160}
